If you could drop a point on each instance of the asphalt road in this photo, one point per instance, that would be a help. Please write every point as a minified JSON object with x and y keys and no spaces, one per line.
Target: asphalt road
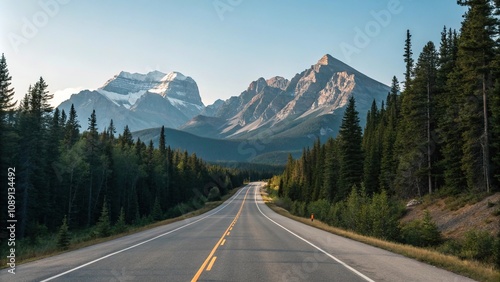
{"x":242,"y":240}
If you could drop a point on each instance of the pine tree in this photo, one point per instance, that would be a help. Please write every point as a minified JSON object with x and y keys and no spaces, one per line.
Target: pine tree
{"x":6,"y":100}
{"x":447,"y":111}
{"x":495,"y":114}
{"x":6,"y":91}
{"x":34,"y":120}
{"x":39,"y":102}
{"x":7,"y":133}
{"x":103,"y":228}
{"x":426,"y":71}
{"x":72,"y":129}
{"x":331,"y":170}
{"x":317,"y":171}
{"x":63,"y":237}
{"x":53,"y":170}
{"x":120,"y":225}
{"x":63,"y":119}
{"x":111,"y":130}
{"x":156,"y":212}
{"x":162,"y":145}
{"x":372,"y":148}
{"x":91,"y":148}
{"x":495,"y":122}
{"x":126,"y":138}
{"x":351,"y":153}
{"x":408,"y":59}
{"x":475,"y":54}
{"x":389,"y":124}
{"x":414,"y":135}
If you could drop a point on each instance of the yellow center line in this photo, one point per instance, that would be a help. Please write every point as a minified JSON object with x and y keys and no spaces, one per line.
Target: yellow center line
{"x":211,"y":257}
{"x":223,"y":241}
{"x":209,"y":267}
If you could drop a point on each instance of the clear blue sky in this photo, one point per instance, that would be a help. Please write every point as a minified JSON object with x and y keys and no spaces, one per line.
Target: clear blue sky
{"x":222,"y":44}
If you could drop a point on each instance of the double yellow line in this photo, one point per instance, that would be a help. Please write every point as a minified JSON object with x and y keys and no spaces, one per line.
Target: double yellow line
{"x":210,"y":260}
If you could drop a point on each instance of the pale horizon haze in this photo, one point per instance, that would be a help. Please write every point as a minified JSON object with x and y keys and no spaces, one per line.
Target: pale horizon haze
{"x":223,"y":45}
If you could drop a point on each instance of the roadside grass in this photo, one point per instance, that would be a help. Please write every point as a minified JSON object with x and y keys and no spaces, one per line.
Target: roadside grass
{"x":46,"y":246}
{"x":471,"y":269}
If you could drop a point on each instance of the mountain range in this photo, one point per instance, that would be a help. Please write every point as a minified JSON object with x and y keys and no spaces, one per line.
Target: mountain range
{"x":264,"y":123}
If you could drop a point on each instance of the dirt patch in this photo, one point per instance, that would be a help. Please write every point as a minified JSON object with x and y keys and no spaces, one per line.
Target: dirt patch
{"x":482,"y":215}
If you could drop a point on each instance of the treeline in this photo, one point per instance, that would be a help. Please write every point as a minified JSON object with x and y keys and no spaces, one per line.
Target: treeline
{"x":442,"y":132}
{"x":62,"y":172}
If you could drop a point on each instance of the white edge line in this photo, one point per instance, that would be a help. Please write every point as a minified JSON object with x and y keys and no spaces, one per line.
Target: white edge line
{"x":144,"y":242}
{"x":316,"y":247}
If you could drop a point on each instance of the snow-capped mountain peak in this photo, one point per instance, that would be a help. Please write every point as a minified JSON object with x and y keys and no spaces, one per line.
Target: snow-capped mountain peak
{"x":321,"y":90}
{"x":148,"y":94}
{"x":125,"y":88}
{"x":174,"y":75}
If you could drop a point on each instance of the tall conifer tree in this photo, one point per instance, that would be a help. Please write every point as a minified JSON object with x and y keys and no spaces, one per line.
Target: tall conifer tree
{"x":351,"y":158}
{"x":474,"y":63}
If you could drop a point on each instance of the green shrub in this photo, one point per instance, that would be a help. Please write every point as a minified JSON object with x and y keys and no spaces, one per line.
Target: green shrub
{"x":496,"y":252}
{"x":384,"y":217}
{"x":421,"y":232}
{"x":302,"y":209}
{"x":285,"y":203}
{"x":496,"y":212}
{"x":103,"y":227}
{"x":335,"y":215}
{"x":450,"y":247}
{"x":320,"y":208}
{"x":156,"y":212}
{"x":478,"y":245}
{"x":178,"y":210}
{"x":120,"y":225}
{"x":63,"y":237}
{"x":214,"y":194}
{"x":294,"y":209}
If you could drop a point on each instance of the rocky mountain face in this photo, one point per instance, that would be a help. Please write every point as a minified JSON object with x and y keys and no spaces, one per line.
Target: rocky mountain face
{"x":140,"y":101}
{"x":317,"y":97}
{"x":268,"y":120}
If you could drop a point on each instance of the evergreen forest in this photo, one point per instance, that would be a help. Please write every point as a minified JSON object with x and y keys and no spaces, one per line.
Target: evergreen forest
{"x":65,"y":173}
{"x":436,"y":134}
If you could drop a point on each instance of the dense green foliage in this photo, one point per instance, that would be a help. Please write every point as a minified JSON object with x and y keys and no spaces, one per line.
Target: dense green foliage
{"x":421,"y":232}
{"x":214,"y":194}
{"x":436,"y":134}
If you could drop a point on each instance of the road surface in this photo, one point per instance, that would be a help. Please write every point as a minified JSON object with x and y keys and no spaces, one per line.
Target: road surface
{"x":241,"y":240}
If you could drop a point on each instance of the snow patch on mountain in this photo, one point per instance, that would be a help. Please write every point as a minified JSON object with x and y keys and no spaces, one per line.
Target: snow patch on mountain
{"x":174,"y":75}
{"x":177,"y":103}
{"x":126,"y":101}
